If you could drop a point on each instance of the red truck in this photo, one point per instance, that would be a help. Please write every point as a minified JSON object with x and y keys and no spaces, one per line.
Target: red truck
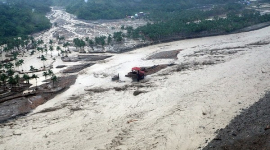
{"x":136,"y":73}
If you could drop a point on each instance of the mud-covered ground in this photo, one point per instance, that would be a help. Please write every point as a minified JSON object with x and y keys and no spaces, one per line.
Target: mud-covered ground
{"x":22,"y":103}
{"x":178,"y":107}
{"x":248,"y":131}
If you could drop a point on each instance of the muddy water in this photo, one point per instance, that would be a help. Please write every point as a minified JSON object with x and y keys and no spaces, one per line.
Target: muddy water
{"x":178,"y":110}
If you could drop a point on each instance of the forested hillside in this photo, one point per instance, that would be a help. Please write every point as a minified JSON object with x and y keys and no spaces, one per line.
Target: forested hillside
{"x":22,"y":17}
{"x":167,"y":18}
{"x":117,"y":9}
{"x":170,"y":18}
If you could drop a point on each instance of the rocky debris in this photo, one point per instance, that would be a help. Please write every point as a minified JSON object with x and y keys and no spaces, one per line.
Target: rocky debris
{"x":115,"y":78}
{"x":132,"y":120}
{"x":138,"y":92}
{"x":249,"y":130}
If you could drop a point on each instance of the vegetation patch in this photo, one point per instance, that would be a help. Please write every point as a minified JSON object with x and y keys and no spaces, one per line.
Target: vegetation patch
{"x":22,"y":17}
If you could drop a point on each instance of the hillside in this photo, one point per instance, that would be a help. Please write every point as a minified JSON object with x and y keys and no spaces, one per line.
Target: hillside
{"x":22,"y":17}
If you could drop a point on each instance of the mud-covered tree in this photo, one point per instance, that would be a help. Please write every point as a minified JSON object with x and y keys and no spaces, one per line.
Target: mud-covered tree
{"x":50,"y":72}
{"x":26,"y":77}
{"x":43,"y":59}
{"x":130,"y":31}
{"x":32,"y":68}
{"x":51,"y":49}
{"x":51,"y":42}
{"x":45,"y":49}
{"x":45,"y":74}
{"x":118,"y":36}
{"x":79,"y":43}
{"x":65,"y":45}
{"x":109,"y":39}
{"x":34,"y":76}
{"x":8,"y":65}
{"x":91,"y":43}
{"x":58,"y":49}
{"x":3,"y":79}
{"x":40,"y":50}
{"x":60,"y":38}
{"x":39,"y":42}
{"x":10,"y":72}
{"x":54,"y":79}
{"x":12,"y":81}
{"x":19,"y":63}
{"x":17,"y":79}
{"x":100,"y":40}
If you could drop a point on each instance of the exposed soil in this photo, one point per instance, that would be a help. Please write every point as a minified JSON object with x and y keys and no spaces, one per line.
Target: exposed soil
{"x":77,"y":68}
{"x":20,"y":104}
{"x":61,"y":66}
{"x":249,"y":130}
{"x":154,"y":69}
{"x":165,"y":55}
{"x":85,"y":58}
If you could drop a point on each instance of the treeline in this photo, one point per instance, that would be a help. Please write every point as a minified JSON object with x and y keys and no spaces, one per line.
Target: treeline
{"x":118,"y":9}
{"x":163,"y":30}
{"x":22,"y":17}
{"x":102,"y":41}
{"x":174,"y":17}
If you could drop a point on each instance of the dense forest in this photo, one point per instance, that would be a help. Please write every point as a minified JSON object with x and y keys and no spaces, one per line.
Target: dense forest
{"x":117,"y":9}
{"x":170,"y":18}
{"x":167,"y":18}
{"x":22,"y":17}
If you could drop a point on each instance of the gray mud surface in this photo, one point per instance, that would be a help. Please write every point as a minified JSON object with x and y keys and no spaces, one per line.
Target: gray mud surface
{"x":24,"y":103}
{"x":248,"y":131}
